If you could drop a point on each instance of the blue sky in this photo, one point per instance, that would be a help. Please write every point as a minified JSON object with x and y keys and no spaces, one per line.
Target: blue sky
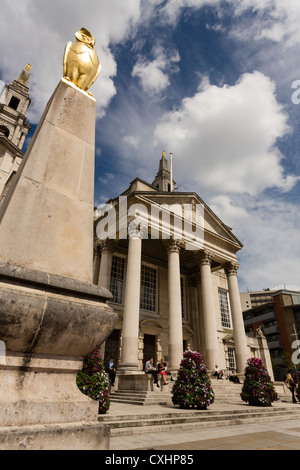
{"x":210,"y":81}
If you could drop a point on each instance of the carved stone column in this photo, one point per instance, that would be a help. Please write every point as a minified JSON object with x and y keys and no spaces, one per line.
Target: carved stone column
{"x":130,"y":344}
{"x":96,"y":263}
{"x":106,"y":247}
{"x":209,"y":311}
{"x":175,"y":311}
{"x":241,"y":350}
{"x":200,"y":316}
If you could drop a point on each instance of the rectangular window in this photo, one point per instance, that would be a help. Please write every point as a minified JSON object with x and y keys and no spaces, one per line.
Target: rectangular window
{"x":224,"y":308}
{"x":14,"y":102}
{"x":117,"y":279}
{"x":231,"y":358}
{"x":148,"y":288}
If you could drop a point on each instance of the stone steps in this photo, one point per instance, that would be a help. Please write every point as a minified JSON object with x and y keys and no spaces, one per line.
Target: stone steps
{"x":141,"y":398}
{"x":224,"y":392}
{"x":190,"y":419}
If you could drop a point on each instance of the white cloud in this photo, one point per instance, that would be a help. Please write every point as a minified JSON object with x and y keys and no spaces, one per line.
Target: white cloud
{"x":224,"y":138}
{"x":276,"y":20}
{"x":173,"y":8}
{"x":107,"y":178}
{"x":269,"y":229}
{"x":280,"y":24}
{"x":36,"y":32}
{"x":132,"y":140}
{"x":154,"y":75}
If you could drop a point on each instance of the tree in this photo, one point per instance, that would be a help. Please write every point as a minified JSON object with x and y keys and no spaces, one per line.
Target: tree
{"x":92,"y":380}
{"x":258,"y":389}
{"x":192,"y":387}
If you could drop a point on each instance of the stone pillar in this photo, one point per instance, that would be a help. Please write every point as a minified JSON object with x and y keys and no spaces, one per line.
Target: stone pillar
{"x":200,"y":317}
{"x":51,"y":202}
{"x":129,"y":357}
{"x":209,"y":311}
{"x":106,"y":248}
{"x":96,"y":263}
{"x":51,"y":315}
{"x":194,"y":309}
{"x":175,"y":311}
{"x":240,"y":342}
{"x":265,"y":352}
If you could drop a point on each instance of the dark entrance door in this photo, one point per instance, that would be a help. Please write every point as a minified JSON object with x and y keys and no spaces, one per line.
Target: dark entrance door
{"x":112,"y":346}
{"x":149,"y":349}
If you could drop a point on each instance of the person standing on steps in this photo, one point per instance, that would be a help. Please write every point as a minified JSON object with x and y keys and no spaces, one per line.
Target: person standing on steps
{"x":291,"y":385}
{"x":111,"y":370}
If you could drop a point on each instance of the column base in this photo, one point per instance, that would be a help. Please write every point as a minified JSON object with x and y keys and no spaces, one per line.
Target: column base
{"x":135,"y":382}
{"x":62,"y":436}
{"x":129,"y":369}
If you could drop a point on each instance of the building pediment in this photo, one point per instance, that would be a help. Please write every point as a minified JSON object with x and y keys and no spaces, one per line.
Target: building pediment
{"x":151,"y":324}
{"x":188,"y":206}
{"x":229,"y":339}
{"x":153,"y":213}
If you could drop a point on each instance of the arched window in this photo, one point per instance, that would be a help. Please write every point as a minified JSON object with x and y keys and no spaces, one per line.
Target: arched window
{"x":4,"y":130}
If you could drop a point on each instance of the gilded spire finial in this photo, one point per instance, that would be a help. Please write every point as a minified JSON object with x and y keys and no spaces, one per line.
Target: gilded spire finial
{"x":163,"y":154}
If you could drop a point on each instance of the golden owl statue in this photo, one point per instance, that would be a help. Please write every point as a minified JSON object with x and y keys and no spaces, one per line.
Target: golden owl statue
{"x":81,"y":63}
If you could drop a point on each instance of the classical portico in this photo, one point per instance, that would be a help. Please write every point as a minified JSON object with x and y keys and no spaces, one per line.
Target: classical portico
{"x":171,"y":291}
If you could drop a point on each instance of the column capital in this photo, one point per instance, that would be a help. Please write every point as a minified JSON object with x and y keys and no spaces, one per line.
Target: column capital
{"x":231,"y":268}
{"x":105,"y":246}
{"x":173,"y":246}
{"x":204,"y":257}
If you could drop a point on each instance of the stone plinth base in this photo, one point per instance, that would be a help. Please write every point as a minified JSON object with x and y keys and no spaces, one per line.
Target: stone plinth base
{"x":141,"y":383}
{"x":48,"y":324}
{"x":70,"y":436}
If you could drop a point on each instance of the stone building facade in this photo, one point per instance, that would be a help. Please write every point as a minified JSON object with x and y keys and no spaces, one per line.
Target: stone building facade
{"x":168,"y":260}
{"x":173,"y":289}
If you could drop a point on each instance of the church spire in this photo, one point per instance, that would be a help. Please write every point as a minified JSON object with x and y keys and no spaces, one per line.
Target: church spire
{"x":14,"y":102}
{"x":163,"y":178}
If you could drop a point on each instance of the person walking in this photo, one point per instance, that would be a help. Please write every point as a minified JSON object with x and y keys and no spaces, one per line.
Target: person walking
{"x":291,"y":385}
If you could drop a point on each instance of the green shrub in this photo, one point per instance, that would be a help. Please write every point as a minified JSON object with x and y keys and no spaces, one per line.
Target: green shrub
{"x":92,"y":381}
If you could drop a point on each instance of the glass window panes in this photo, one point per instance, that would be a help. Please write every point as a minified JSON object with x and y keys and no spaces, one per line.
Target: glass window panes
{"x":117,"y":279}
{"x":231,"y":358}
{"x":224,"y":307}
{"x":148,"y":288}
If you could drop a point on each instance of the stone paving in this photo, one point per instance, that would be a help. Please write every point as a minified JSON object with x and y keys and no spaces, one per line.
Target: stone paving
{"x":278,"y":434}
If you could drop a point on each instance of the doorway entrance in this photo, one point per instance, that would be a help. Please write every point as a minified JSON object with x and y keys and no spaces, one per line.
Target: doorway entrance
{"x":149,"y":349}
{"x":112,"y":345}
